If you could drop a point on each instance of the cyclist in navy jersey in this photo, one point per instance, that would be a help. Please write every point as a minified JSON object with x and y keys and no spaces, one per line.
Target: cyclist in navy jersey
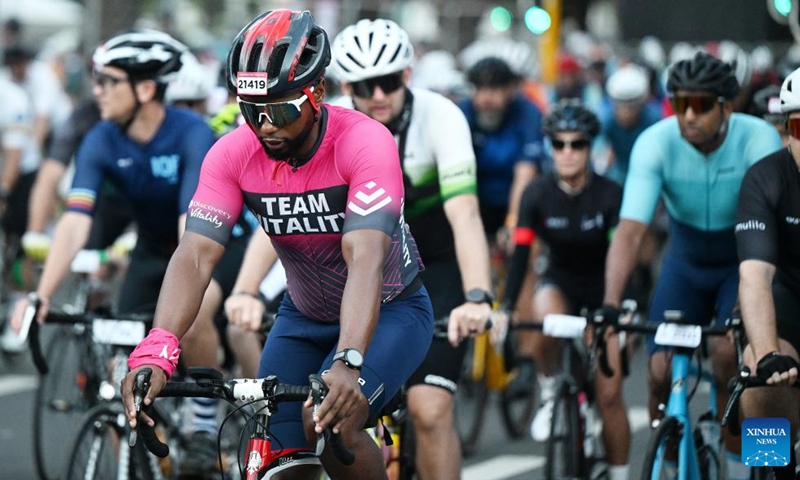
{"x":573,"y":211}
{"x":695,"y":160}
{"x":113,"y":214}
{"x":152,"y":154}
{"x":767,"y":237}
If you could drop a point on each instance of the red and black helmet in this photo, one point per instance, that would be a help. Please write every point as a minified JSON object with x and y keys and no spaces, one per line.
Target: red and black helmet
{"x":283,"y":50}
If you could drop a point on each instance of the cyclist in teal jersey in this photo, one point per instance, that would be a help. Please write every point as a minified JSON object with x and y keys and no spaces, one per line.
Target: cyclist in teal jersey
{"x":695,"y":161}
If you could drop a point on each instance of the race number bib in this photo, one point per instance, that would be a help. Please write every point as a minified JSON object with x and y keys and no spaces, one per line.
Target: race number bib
{"x":677,"y":335}
{"x":251,"y":83}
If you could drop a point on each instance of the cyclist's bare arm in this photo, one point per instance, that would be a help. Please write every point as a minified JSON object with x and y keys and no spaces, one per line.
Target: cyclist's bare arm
{"x":185,"y":282}
{"x":244,"y":307}
{"x":472,"y":254}
{"x":11,"y":162}
{"x":70,"y":236}
{"x":621,"y":258}
{"x":364,"y":252}
{"x":758,"y":308}
{"x":524,"y":172}
{"x":44,"y":195}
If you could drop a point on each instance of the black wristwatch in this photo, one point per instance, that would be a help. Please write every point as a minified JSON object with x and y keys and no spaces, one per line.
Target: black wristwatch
{"x":478,"y":295}
{"x":351,"y":357}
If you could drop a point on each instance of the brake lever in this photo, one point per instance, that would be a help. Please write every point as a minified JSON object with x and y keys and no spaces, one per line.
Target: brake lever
{"x":141,"y":385}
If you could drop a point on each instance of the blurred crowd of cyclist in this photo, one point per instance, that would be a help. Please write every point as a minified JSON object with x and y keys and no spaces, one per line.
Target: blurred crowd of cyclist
{"x":513,"y":119}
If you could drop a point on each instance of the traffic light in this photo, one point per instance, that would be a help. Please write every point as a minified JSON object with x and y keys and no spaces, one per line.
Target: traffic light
{"x":779,"y":10}
{"x":501,"y":18}
{"x":538,"y":20}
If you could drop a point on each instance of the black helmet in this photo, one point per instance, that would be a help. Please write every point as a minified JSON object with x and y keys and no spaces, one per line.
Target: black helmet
{"x":142,"y":54}
{"x":569,"y":115}
{"x":286,"y":45}
{"x":491,"y":72}
{"x":703,"y":73}
{"x":767,"y":104}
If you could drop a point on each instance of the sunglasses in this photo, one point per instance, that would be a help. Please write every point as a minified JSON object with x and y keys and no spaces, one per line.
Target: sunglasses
{"x":578,"y":144}
{"x":105,"y":81}
{"x":699,"y":103}
{"x":278,"y":114}
{"x":793,"y":127}
{"x":388,"y":84}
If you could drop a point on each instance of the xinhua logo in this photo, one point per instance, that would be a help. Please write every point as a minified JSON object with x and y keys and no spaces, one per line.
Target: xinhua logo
{"x":765,"y":442}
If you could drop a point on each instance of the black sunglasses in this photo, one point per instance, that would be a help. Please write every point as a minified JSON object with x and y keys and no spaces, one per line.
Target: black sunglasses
{"x":578,"y":144}
{"x":388,"y":83}
{"x":699,"y":103}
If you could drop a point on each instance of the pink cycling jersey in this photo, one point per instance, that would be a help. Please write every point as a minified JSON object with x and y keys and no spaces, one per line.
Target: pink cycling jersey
{"x":351,"y":181}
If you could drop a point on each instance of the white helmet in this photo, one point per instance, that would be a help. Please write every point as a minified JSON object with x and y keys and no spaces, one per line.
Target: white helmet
{"x":370,"y":48}
{"x":518,"y":55}
{"x":629,"y":82}
{"x":192,"y":83}
{"x":652,"y":52}
{"x":790,"y":93}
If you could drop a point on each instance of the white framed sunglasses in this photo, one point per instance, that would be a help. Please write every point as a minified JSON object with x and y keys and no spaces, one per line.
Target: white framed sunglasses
{"x":278,"y":114}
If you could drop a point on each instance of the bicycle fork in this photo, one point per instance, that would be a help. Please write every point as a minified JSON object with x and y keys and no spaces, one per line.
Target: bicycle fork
{"x":258,"y":450}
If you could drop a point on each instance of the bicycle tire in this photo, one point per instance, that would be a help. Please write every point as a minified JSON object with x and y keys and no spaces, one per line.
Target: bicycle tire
{"x":517,"y":411}
{"x":408,"y":450}
{"x":665,"y":438}
{"x":95,"y":453}
{"x":565,"y":445}
{"x":60,"y":403}
{"x":708,"y":460}
{"x":471,"y":404}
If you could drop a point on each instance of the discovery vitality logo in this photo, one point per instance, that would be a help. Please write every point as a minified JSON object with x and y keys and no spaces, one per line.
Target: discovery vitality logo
{"x":765,"y":442}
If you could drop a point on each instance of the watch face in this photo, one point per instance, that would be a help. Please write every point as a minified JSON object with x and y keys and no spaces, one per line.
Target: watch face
{"x":354,"y":358}
{"x":478,"y":296}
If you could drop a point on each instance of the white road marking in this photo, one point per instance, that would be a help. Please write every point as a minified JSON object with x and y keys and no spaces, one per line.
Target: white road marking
{"x":504,"y":466}
{"x":507,"y":466}
{"x":11,"y":384}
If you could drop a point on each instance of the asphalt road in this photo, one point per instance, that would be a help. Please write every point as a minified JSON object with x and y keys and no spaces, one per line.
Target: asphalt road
{"x":497,"y":458}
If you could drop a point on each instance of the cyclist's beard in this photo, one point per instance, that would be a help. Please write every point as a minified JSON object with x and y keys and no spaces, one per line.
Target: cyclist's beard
{"x":490,"y":120}
{"x":292,"y":147}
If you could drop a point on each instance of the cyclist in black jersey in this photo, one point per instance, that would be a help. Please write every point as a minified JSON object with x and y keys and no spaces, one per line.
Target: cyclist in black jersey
{"x":767,"y":238}
{"x":573,"y":211}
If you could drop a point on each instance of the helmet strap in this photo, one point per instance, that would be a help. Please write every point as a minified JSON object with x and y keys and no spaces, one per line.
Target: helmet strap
{"x":124,"y":126}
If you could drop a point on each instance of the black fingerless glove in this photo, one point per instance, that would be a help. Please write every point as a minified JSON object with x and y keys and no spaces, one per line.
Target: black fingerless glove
{"x":607,"y":315}
{"x":775,"y":363}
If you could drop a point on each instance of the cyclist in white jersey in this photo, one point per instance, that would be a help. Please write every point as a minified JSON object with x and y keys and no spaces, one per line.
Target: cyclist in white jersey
{"x":371,"y":59}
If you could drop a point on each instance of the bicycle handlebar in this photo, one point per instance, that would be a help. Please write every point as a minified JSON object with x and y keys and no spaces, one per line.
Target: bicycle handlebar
{"x":237,"y":390}
{"x":736,"y":386}
{"x":31,"y":329}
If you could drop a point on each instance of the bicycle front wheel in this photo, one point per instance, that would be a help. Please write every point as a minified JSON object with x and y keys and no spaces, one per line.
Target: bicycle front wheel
{"x":101,"y":451}
{"x":661,"y":460}
{"x":60,"y":402}
{"x":564,"y":447}
{"x":517,"y":407}
{"x":472,"y":397}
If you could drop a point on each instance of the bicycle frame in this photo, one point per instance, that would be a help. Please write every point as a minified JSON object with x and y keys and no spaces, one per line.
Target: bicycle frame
{"x":678,"y":407}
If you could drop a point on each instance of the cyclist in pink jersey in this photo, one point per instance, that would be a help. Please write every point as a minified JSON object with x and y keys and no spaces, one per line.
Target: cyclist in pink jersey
{"x":326,"y":186}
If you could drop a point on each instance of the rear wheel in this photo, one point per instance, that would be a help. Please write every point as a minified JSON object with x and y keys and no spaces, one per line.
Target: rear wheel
{"x":60,"y":401}
{"x":661,"y":457}
{"x":472,"y":398}
{"x":565,"y":446}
